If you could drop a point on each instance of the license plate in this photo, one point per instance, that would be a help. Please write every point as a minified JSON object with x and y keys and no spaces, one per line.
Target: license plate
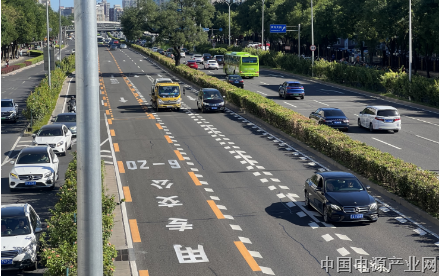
{"x":236,"y":81}
{"x":213,"y":107}
{"x":30,"y":183}
{"x":357,"y":216}
{"x":6,"y":261}
{"x":388,"y":121}
{"x":337,"y":122}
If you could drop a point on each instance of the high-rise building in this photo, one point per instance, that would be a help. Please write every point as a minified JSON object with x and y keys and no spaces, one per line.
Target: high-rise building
{"x":133,"y":3}
{"x":100,"y":16}
{"x":66,"y":11}
{"x":107,"y":12}
{"x":118,"y":11}
{"x":111,"y":15}
{"x":125,"y":4}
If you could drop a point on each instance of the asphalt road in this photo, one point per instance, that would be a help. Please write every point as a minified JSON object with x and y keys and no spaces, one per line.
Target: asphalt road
{"x":235,"y":206}
{"x":417,"y":142}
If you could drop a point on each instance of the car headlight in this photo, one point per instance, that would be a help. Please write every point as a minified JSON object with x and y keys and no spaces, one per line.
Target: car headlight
{"x":335,"y":207}
{"x":59,"y":143}
{"x":13,"y":175}
{"x":179,"y":100}
{"x":206,"y":103}
{"x":373,"y":206}
{"x":221,"y":103}
{"x":160,"y":101}
{"x":47,"y":174}
{"x":73,"y":128}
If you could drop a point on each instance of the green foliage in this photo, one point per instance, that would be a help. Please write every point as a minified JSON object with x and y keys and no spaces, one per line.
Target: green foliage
{"x":405,"y":179}
{"x":59,"y":243}
{"x":35,"y":53}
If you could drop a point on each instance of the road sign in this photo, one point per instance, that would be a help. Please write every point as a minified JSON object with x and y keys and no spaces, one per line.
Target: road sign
{"x":220,"y":29}
{"x":206,"y":29}
{"x":278,"y":28}
{"x":312,"y":47}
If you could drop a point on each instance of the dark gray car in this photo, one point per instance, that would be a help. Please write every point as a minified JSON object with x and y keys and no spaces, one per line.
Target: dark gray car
{"x":67,"y":119}
{"x":9,"y":110}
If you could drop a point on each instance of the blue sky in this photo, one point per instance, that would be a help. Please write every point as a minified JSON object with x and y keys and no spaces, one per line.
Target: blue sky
{"x":69,"y":3}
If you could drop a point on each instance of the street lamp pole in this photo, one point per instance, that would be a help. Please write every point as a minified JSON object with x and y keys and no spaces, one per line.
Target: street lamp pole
{"x":312,"y":38}
{"x":48,"y":48}
{"x":229,"y":21}
{"x":410,"y":40}
{"x":263,"y":4}
{"x":60,"y":31}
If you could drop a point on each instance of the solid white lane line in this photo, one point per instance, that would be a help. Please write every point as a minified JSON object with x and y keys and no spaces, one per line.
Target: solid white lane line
{"x":427,"y":139}
{"x":12,"y":149}
{"x":386,"y":143}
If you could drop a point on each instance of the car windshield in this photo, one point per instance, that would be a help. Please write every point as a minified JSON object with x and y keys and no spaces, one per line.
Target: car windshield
{"x":387,"y":113}
{"x":249,"y":60}
{"x":50,"y":132}
{"x":212,"y":95}
{"x":169,"y":91}
{"x":234,"y":78}
{"x":15,"y":226}
{"x":343,"y":185}
{"x":66,"y":118}
{"x":33,"y":158}
{"x":334,"y":112}
{"x":7,"y":104}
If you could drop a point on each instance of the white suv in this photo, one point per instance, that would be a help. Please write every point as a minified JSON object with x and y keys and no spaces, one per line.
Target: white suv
{"x":380,"y":118}
{"x":21,"y":228}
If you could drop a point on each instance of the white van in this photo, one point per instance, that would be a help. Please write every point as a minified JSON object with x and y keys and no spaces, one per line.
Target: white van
{"x":380,"y":117}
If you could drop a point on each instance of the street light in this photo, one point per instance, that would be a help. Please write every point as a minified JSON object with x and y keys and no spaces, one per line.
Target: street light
{"x":263,"y":4}
{"x":312,"y":39}
{"x":60,"y":30}
{"x":229,"y":4}
{"x":410,"y":40}
{"x":48,"y":42}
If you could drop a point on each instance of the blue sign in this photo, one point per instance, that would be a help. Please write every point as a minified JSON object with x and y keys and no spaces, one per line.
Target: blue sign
{"x":206,"y":29}
{"x":278,"y":28}
{"x":220,"y":29}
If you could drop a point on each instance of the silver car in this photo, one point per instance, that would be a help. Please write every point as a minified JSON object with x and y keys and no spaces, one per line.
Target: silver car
{"x":123,"y":46}
{"x":9,"y":110}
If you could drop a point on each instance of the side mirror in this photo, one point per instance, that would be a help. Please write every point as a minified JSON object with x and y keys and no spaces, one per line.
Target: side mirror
{"x":368,"y":187}
{"x":56,"y":160}
{"x":38,"y":230}
{"x":34,"y":135}
{"x":12,"y":162}
{"x":16,"y":105}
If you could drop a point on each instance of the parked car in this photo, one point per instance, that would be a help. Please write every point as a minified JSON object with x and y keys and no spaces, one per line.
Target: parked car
{"x":186,"y":51}
{"x":67,"y":119}
{"x":219,"y":59}
{"x":291,"y":88}
{"x":210,"y":99}
{"x":169,"y":55}
{"x":340,"y":197}
{"x":154,"y":49}
{"x":198,"y":58}
{"x":332,"y":117}
{"x":235,"y":80}
{"x":380,"y":118}
{"x":211,"y":64}
{"x":192,"y":64}
{"x":182,"y":54}
{"x":21,"y":229}
{"x":160,"y":80}
{"x":36,"y":167}
{"x":58,"y":137}
{"x":161,"y":51}
{"x":9,"y":110}
{"x":123,"y":46}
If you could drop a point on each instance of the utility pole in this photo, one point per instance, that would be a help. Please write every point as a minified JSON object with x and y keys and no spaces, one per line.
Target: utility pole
{"x":48,"y":40}
{"x":410,"y":41}
{"x":312,"y":38}
{"x":230,"y":37}
{"x":263,"y":4}
{"x":60,"y":31}
{"x":298,"y":36}
{"x":89,"y":195}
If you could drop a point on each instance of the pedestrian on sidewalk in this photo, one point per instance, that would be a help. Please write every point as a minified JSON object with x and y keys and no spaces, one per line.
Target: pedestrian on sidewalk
{"x":21,"y":52}
{"x":7,"y":62}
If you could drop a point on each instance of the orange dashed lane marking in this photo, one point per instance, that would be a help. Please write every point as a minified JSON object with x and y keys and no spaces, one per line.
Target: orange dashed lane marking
{"x":168,"y":139}
{"x":180,"y":157}
{"x":160,"y":127}
{"x":110,"y":122}
{"x":196,"y":181}
{"x":112,"y":133}
{"x":120,"y":166}
{"x":248,"y":258}
{"x":105,"y":104}
{"x":116,"y":147}
{"x":127,"y":194}
{"x":143,"y":273}
{"x":215,"y":208}
{"x":135,"y":231}
{"x":107,"y":111}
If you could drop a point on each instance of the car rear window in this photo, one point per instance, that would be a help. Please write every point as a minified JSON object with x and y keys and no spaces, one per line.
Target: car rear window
{"x":334,"y":112}
{"x":294,"y":85}
{"x":249,"y":60}
{"x":387,"y":113}
{"x":234,"y":77}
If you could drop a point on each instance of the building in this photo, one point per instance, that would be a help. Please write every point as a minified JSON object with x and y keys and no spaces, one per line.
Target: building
{"x":111,"y":14}
{"x":66,"y":11}
{"x":118,"y":11}
{"x":100,"y":15}
{"x":107,"y":12}
{"x":44,"y":2}
{"x":126,"y":4}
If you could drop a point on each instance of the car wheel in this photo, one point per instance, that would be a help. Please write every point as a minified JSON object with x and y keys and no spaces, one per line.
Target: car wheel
{"x":177,"y":109}
{"x":326,"y":215}
{"x":303,"y":97}
{"x":371,"y":127}
{"x":65,"y":150}
{"x":396,"y":131}
{"x":307,"y":199}
{"x":280,"y":95}
{"x":198,"y":106}
{"x":285,"y":96}
{"x":359,"y":123}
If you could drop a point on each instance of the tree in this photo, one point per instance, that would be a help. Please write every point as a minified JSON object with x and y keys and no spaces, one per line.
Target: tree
{"x":131,"y":23}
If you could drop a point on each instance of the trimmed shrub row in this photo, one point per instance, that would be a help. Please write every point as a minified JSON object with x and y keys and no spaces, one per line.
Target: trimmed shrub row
{"x":405,"y":179}
{"x":58,"y":244}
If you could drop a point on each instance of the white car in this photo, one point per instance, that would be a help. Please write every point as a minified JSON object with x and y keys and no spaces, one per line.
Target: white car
{"x":198,"y":58}
{"x":21,"y":229}
{"x":380,"y":118}
{"x":154,"y":49}
{"x":211,"y":64}
{"x":123,"y":46}
{"x":183,"y":54}
{"x":36,"y":167}
{"x":57,"y":136}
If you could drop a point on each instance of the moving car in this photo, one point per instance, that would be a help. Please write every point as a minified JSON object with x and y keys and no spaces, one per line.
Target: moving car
{"x":21,"y":229}
{"x":160,"y":80}
{"x":210,"y":99}
{"x":206,"y":57}
{"x":219,"y":59}
{"x":192,"y":64}
{"x":161,"y":51}
{"x":58,"y":137}
{"x":9,"y":110}
{"x":332,"y":117}
{"x":291,"y":89}
{"x":198,"y":58}
{"x":380,"y":117}
{"x":182,"y":54}
{"x":340,"y":197}
{"x":236,"y":80}
{"x":36,"y":167}
{"x":123,"y":46}
{"x":211,"y":64}
{"x":166,"y":95}
{"x":67,"y":119}
{"x":113,"y":47}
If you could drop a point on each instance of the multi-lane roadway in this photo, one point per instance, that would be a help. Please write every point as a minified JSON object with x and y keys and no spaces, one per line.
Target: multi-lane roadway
{"x":216,"y":194}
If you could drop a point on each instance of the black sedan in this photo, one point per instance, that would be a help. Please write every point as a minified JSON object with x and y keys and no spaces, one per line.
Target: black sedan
{"x":332,"y":117}
{"x":67,"y":119}
{"x":340,"y":197}
{"x":236,"y":80}
{"x":210,"y":99}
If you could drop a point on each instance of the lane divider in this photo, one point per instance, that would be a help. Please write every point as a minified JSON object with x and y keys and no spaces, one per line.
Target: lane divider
{"x":159,"y":126}
{"x":112,"y":133}
{"x":116,"y":147}
{"x":135,"y":230}
{"x":110,"y":122}
{"x":180,"y":157}
{"x":168,"y":139}
{"x":121,"y":167}
{"x":143,"y":273}
{"x":215,"y":209}
{"x":127,"y":194}
{"x":194,"y":178}
{"x":247,"y":257}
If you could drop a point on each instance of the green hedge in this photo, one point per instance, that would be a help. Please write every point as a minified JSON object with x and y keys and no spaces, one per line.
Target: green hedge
{"x":42,"y":101}
{"x":35,"y":53}
{"x":405,"y":179}
{"x":58,"y":243}
{"x":36,"y":59}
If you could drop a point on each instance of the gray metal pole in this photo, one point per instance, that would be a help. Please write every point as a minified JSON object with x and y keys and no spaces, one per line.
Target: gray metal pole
{"x":48,"y":48}
{"x":298,"y":46}
{"x":229,"y":24}
{"x":410,"y":41}
{"x":263,"y":4}
{"x":60,"y":30}
{"x":312,"y":39}
{"x":90,"y":252}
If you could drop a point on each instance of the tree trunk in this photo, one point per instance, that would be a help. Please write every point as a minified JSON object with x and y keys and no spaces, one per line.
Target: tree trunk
{"x":177,"y":55}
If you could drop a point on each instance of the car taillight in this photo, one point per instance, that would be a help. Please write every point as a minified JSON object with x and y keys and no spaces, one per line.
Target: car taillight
{"x":241,"y":81}
{"x":230,"y":81}
{"x":397,"y":119}
{"x":379,"y":119}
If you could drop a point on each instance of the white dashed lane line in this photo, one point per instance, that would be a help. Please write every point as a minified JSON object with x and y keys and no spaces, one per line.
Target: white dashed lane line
{"x":321,"y":103}
{"x":386,"y":143}
{"x":427,"y":139}
{"x":422,"y":121}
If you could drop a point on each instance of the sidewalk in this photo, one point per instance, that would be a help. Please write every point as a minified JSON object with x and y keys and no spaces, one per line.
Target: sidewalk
{"x":15,"y":61}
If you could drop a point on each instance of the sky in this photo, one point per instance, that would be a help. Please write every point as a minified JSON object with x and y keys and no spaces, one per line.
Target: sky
{"x":69,"y":3}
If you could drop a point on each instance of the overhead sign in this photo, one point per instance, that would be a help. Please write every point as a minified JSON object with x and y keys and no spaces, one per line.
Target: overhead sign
{"x":312,"y":47}
{"x":206,"y":29}
{"x":220,"y":29}
{"x":278,"y":28}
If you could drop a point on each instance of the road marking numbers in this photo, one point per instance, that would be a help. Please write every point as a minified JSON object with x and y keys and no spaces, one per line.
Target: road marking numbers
{"x":141,"y":164}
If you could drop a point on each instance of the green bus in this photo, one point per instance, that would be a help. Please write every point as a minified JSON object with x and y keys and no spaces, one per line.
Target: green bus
{"x":241,"y":63}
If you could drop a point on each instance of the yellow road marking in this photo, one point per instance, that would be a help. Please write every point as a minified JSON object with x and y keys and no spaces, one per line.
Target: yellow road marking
{"x":194,"y":178}
{"x":248,"y":258}
{"x":143,"y":273}
{"x":121,"y":167}
{"x":110,"y":121}
{"x":107,"y":111}
{"x":135,"y":231}
{"x":112,"y":133}
{"x":102,"y":92}
{"x":127,"y":194}
{"x":168,"y":139}
{"x":215,"y":209}
{"x":180,"y":157}
{"x":160,"y":127}
{"x":116,"y":147}
{"x":104,"y":98}
{"x":105,"y":104}
{"x":136,"y":95}
{"x":140,"y":101}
